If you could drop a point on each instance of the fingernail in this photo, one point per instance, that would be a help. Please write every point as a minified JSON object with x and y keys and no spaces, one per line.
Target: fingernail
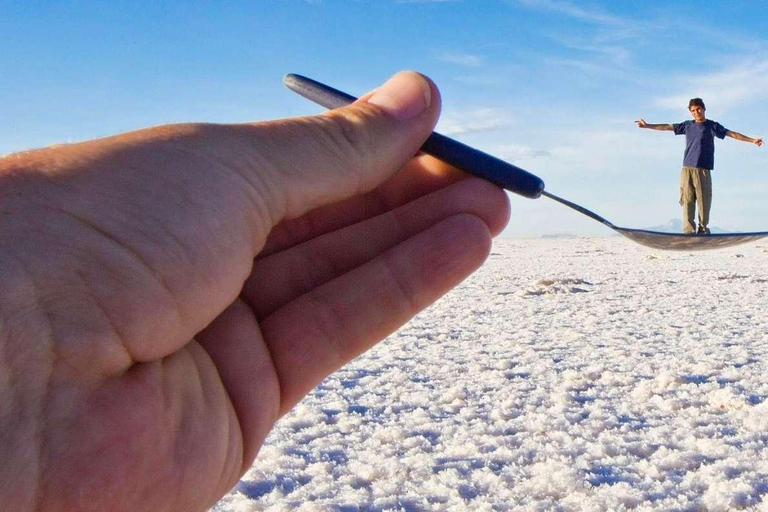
{"x":405,"y":95}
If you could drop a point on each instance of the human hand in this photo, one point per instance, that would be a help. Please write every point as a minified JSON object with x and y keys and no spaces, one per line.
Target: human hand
{"x":641,"y":123}
{"x":167,"y":294}
{"x":758,"y":141}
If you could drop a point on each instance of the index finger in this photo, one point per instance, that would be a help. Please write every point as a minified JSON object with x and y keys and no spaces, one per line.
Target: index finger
{"x":421,"y":176}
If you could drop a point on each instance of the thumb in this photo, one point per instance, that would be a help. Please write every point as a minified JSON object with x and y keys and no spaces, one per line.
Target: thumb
{"x":313,"y":161}
{"x":175,"y":214}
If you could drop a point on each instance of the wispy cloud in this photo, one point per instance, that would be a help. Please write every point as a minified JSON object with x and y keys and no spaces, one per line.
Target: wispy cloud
{"x":609,"y":48}
{"x":731,"y":87}
{"x":516,"y":153}
{"x":596,"y":70}
{"x":614,"y":53}
{"x":573,"y":11}
{"x":606,"y":46}
{"x":463,"y":59}
{"x":478,"y":120}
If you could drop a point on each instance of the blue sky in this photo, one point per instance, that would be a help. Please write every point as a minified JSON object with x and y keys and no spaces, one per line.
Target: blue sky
{"x":553,"y":86}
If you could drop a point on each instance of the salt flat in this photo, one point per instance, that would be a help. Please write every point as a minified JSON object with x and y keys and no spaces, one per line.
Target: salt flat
{"x":566,"y":374}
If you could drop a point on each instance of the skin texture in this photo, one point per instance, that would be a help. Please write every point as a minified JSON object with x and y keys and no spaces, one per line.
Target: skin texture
{"x":167,"y":294}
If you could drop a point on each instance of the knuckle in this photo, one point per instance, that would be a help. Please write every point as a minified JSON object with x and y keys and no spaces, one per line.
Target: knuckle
{"x":350,"y":140}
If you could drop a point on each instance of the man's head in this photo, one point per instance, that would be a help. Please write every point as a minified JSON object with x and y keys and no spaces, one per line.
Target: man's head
{"x":697,"y":109}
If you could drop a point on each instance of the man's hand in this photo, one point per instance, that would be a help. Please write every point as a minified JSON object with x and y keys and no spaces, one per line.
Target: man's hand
{"x":744,"y":138}
{"x":167,"y":294}
{"x":661,"y":127}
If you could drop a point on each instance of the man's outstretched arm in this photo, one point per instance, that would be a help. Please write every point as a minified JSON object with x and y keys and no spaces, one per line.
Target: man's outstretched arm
{"x":663,"y":127}
{"x":738,"y":136}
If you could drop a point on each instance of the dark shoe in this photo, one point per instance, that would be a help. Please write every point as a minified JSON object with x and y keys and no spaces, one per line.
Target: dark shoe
{"x":702,"y":231}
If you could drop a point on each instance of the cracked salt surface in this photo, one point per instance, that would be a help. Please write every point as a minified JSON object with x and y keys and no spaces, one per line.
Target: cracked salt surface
{"x":568,"y":374}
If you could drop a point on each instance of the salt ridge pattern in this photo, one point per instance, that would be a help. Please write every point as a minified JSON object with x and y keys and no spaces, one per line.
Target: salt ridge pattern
{"x":566,"y":374}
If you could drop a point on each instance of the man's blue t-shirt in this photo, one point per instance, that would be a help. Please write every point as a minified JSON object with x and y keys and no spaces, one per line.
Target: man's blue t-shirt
{"x":700,"y":142}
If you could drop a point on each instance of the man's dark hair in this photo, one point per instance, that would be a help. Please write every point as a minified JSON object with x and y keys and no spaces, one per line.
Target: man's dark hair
{"x":696,"y":102}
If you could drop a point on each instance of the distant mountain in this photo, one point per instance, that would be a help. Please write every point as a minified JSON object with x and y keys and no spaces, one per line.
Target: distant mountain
{"x":560,"y":235}
{"x":673,"y":226}
{"x":676,"y":226}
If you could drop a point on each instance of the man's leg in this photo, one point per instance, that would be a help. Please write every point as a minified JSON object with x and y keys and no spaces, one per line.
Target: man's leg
{"x":687,"y":199}
{"x":703,"y":184}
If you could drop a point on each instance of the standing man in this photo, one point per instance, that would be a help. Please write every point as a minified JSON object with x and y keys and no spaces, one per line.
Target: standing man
{"x":698,"y":162}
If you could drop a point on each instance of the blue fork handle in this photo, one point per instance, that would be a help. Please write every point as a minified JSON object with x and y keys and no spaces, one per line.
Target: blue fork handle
{"x":461,"y":156}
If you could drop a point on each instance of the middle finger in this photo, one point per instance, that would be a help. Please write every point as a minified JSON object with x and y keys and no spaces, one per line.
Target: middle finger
{"x":283,"y":276}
